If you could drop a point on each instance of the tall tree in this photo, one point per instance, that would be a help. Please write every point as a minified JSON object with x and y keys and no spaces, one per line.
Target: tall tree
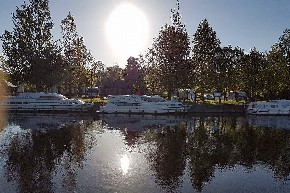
{"x":108,"y":78}
{"x":170,"y":54}
{"x":253,"y":77}
{"x":279,"y":58}
{"x":284,"y":45}
{"x":96,"y":70}
{"x":277,"y":75}
{"x":204,"y":56}
{"x":29,"y":48}
{"x":134,"y":76}
{"x":76,"y":56}
{"x":151,"y":73}
{"x":228,"y":69}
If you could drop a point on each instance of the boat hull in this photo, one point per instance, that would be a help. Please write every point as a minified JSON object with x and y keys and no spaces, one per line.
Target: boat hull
{"x":44,"y":102}
{"x":140,"y":105}
{"x":277,"y":107}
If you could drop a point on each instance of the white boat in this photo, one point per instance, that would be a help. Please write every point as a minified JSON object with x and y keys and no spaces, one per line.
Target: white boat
{"x":274,"y":107}
{"x":141,"y":104}
{"x":41,"y":101}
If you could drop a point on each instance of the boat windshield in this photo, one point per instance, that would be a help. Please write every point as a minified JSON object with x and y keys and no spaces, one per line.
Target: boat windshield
{"x":152,"y":99}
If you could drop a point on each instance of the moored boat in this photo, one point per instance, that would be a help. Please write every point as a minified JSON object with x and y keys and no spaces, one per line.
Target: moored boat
{"x":40,"y":101}
{"x":141,"y":104}
{"x":274,"y":107}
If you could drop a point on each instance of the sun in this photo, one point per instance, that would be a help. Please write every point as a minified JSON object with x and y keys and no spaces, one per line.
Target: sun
{"x":127,"y":30}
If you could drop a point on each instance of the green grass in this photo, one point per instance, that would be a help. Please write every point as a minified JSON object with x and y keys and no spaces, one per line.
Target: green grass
{"x":94,"y":100}
{"x":214,"y":102}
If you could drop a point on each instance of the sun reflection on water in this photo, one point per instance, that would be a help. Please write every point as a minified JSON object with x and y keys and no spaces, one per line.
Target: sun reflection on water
{"x":125,"y":162}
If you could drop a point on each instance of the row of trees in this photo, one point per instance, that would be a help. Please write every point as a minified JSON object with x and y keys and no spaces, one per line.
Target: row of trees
{"x":207,"y":66}
{"x":173,"y":62}
{"x":176,"y":62}
{"x":36,"y":61}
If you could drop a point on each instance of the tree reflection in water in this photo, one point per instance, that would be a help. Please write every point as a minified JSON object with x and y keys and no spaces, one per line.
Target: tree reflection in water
{"x":195,"y":148}
{"x":216,"y":143}
{"x":168,"y":159}
{"x":33,"y":155}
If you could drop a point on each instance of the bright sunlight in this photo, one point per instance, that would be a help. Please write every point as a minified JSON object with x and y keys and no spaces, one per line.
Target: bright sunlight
{"x":127,"y":30}
{"x":125,"y":164}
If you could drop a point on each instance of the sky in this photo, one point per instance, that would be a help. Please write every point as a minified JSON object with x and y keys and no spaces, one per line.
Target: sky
{"x":243,"y":23}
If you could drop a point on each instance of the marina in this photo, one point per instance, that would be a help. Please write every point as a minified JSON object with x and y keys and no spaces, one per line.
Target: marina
{"x":130,"y":97}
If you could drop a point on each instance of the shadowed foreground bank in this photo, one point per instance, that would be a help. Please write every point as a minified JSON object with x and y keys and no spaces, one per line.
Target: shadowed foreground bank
{"x":216,"y":108}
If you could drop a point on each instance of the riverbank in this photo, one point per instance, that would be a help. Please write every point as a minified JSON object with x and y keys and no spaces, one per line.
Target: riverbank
{"x":204,"y":108}
{"x":216,"y":108}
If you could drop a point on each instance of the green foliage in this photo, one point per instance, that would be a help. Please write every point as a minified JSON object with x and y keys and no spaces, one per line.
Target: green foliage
{"x":277,"y":74}
{"x":205,"y":51}
{"x":108,"y":76}
{"x":96,"y":69}
{"x":134,"y":76}
{"x":253,"y":69}
{"x":279,"y":67}
{"x":80,"y":65}
{"x":31,"y":55}
{"x":227,"y":67}
{"x":169,"y":56}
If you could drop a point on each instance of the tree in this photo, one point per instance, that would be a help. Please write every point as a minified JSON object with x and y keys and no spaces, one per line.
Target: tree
{"x":284,"y":45}
{"x":76,"y":56}
{"x":109,"y":76}
{"x":96,"y":69}
{"x":32,"y":56}
{"x":151,"y":72}
{"x":279,"y":62}
{"x":204,"y":56}
{"x":253,"y":75}
{"x":228,"y":59}
{"x":134,"y":76}
{"x":277,"y":74}
{"x":170,"y":55}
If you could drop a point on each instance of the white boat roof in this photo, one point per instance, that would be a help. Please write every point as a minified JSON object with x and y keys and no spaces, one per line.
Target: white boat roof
{"x":38,"y":94}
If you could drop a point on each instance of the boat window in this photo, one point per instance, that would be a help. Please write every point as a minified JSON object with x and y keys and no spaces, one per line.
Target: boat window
{"x":15,"y":102}
{"x":119,"y":103}
{"x":49,"y":98}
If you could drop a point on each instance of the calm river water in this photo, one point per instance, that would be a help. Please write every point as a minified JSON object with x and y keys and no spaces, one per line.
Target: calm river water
{"x":122,"y":153}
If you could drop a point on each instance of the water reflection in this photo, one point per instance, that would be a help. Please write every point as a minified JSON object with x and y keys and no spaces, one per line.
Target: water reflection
{"x":121,"y":153}
{"x":125,"y":162}
{"x":33,"y":151}
{"x":278,"y":122}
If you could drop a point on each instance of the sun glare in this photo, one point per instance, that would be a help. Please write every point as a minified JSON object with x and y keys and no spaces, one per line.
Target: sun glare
{"x":127,"y":30}
{"x":125,"y":164}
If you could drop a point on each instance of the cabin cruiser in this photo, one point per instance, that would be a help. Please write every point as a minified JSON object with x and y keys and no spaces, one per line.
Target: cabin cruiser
{"x":141,"y":104}
{"x":273,"y":107}
{"x":41,"y":101}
